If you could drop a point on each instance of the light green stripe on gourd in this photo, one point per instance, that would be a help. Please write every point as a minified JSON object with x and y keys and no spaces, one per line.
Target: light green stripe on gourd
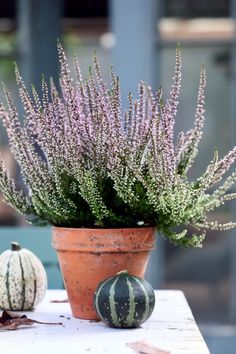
{"x":22,"y":282}
{"x":35,"y":282}
{"x":97,"y":298}
{"x":113,"y":305}
{"x":7,"y":282}
{"x":146,"y":299}
{"x":132,"y":304}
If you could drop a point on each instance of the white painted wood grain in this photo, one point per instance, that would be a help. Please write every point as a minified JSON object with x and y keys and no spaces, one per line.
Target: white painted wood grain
{"x":171,"y":327}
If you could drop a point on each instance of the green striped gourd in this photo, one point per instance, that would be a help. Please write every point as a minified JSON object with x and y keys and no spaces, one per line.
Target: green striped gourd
{"x":124,"y":300}
{"x":23,"y":280}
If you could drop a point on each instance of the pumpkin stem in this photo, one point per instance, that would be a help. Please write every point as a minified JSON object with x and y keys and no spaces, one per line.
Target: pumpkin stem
{"x":15,"y":246}
{"x":122,"y":272}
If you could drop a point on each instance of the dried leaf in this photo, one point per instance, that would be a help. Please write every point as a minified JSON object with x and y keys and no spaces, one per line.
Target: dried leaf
{"x":59,"y":301}
{"x":11,"y":321}
{"x":144,"y":347}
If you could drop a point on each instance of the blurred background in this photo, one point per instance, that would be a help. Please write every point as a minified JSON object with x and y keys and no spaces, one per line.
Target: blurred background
{"x":139,"y":37}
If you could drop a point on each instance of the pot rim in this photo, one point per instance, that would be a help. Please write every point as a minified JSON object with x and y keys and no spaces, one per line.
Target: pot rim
{"x":104,"y":240}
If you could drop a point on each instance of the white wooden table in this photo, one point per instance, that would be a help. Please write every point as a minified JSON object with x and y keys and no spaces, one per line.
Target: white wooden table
{"x":171,"y":327}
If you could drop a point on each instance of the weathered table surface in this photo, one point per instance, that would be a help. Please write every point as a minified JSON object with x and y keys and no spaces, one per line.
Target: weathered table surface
{"x":171,"y":327}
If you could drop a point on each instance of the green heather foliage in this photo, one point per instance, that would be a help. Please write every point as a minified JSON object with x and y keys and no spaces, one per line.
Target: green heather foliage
{"x":86,"y":162}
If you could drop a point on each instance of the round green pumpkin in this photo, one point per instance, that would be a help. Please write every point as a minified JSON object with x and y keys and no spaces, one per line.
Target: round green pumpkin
{"x":124,"y":300}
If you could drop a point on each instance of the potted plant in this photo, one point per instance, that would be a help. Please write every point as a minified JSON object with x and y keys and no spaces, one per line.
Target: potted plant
{"x":105,"y":179}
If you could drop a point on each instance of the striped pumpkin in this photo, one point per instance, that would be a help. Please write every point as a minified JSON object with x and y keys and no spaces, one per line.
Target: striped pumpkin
{"x":124,"y":300}
{"x":23,"y":280}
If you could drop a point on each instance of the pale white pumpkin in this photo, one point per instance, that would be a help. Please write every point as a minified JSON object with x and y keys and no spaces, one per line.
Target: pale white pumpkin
{"x":23,"y":280}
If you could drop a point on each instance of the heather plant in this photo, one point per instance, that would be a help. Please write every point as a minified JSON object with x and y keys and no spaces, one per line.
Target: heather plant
{"x":85,"y":162}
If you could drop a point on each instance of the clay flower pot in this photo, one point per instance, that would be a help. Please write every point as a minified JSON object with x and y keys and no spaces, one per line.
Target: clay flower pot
{"x":88,"y":256}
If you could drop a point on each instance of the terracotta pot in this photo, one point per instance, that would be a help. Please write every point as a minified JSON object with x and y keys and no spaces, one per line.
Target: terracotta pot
{"x":88,"y":256}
